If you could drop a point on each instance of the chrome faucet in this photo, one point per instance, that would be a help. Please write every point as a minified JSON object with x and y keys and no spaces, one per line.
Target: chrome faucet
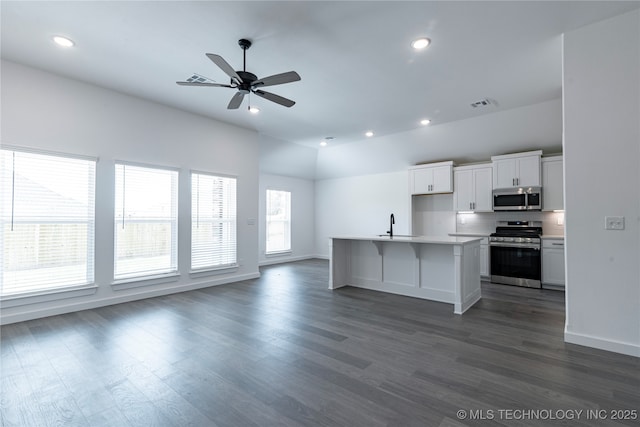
{"x":392,"y":220}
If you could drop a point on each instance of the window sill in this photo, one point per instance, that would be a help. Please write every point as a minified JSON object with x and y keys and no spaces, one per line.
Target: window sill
{"x":212,"y":271}
{"x":279,"y":253}
{"x":48,"y":295}
{"x":137,"y":282}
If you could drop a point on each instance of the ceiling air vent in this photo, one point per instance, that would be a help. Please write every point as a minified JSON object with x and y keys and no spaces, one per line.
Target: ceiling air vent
{"x":482,"y":103}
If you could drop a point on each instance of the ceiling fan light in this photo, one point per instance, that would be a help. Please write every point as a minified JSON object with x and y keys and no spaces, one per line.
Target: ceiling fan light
{"x":323,"y":143}
{"x":63,"y":41}
{"x":420,"y":43}
{"x":425,"y":122}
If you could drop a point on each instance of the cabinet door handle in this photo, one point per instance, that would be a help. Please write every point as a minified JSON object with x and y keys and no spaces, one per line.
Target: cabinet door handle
{"x":513,"y":181}
{"x":517,"y":181}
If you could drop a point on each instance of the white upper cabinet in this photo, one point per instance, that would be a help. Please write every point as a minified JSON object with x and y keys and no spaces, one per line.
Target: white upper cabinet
{"x":517,"y":170}
{"x":472,"y":188}
{"x":552,"y":184}
{"x":431,"y":178}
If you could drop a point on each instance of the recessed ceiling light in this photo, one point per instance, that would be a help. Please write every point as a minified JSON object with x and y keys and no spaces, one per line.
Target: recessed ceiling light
{"x":323,"y":143}
{"x":420,"y":43}
{"x":254,"y":110}
{"x":63,"y":41}
{"x":425,"y":122}
{"x":368,"y":134}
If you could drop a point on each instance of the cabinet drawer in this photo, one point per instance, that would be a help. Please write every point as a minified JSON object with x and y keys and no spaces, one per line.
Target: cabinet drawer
{"x":553,"y":243}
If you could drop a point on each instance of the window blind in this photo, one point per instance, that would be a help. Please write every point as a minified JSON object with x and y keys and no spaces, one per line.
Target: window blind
{"x":48,"y":221}
{"x":278,"y":221}
{"x":146,"y":221}
{"x":213,"y":221}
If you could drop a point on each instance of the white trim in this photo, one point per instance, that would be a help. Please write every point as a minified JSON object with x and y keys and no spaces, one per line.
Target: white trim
{"x":136,"y":282}
{"x":216,"y":174}
{"x":278,"y":253}
{"x":69,"y":308}
{"x":630,"y":349}
{"x":8,"y":147}
{"x":211,"y":271}
{"x":17,"y":300}
{"x":147,"y":166}
{"x":286,"y":259}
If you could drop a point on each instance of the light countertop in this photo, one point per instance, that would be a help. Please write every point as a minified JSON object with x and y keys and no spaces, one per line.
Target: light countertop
{"x":470,"y":234}
{"x":439,"y":240}
{"x":552,"y":236}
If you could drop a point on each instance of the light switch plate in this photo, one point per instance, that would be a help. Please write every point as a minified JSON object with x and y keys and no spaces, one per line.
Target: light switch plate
{"x":614,"y":223}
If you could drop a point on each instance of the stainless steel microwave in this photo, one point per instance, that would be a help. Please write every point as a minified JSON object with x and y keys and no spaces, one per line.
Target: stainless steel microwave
{"x":517,"y":199}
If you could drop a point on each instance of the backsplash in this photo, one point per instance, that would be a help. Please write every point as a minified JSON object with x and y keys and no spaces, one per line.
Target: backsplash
{"x":486,"y":222}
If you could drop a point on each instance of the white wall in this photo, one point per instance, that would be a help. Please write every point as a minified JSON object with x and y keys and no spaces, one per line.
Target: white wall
{"x":476,"y":139}
{"x":302,"y":217}
{"x":602,"y":163}
{"x":360,"y":205}
{"x":44,"y":111}
{"x":278,"y":157}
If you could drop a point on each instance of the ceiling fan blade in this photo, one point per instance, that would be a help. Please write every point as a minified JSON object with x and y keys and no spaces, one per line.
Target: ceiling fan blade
{"x":277,"y":79}
{"x":224,"y":66}
{"x":275,"y":98}
{"x":202,"y":84}
{"x":235,"y":101}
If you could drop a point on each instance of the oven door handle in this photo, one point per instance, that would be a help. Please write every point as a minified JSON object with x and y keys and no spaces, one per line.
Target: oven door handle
{"x":514,"y":245}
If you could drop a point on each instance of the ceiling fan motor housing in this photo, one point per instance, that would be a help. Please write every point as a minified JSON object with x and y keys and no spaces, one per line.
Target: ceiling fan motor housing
{"x":247,"y":79}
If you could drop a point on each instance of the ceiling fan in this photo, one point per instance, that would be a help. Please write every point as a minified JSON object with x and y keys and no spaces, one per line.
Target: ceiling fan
{"x":247,"y":82}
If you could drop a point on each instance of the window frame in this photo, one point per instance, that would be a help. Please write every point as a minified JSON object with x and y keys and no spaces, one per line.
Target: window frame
{"x":288,"y":221}
{"x":57,"y":292}
{"x":197,"y":271}
{"x":152,"y":277}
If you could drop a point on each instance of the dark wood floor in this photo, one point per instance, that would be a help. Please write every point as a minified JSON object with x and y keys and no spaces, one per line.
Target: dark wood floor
{"x":283,"y":350}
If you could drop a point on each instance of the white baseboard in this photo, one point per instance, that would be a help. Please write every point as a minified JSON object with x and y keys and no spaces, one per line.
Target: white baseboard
{"x":602,"y":343}
{"x":282,"y":259}
{"x":87,"y":305}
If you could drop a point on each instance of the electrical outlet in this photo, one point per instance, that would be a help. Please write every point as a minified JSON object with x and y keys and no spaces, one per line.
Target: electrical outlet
{"x":614,"y":223}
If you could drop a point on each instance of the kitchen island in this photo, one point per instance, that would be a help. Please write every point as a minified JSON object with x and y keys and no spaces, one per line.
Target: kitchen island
{"x":445,"y":269}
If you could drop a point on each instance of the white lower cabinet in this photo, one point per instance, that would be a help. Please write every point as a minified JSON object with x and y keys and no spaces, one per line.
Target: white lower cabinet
{"x":553,"y":263}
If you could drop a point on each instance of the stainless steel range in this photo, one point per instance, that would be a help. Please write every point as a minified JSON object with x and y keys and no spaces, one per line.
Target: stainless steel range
{"x":515,"y":253}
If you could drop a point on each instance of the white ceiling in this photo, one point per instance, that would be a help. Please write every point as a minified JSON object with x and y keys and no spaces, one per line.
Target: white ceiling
{"x":358,"y":70}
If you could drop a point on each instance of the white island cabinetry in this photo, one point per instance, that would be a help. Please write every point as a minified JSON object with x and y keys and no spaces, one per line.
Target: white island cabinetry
{"x":484,"y":251}
{"x":445,"y":269}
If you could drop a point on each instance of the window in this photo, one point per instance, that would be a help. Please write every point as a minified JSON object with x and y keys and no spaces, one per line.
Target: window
{"x":146,"y":221}
{"x":213,"y":221}
{"x":278,"y":221}
{"x":48,"y":222}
